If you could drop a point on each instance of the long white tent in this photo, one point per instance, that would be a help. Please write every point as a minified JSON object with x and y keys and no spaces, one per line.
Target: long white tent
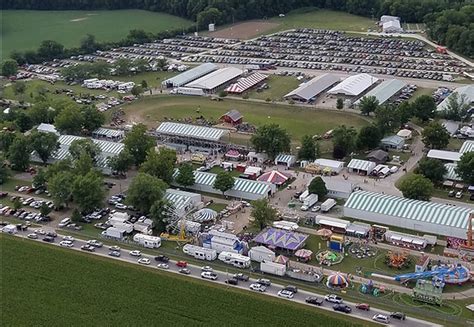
{"x":191,"y":131}
{"x":216,"y":78}
{"x":354,"y":85}
{"x":309,"y":90}
{"x":384,"y":90}
{"x":190,"y":75}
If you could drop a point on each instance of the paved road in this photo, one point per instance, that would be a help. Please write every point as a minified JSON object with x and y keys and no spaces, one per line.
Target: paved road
{"x":222,"y":276}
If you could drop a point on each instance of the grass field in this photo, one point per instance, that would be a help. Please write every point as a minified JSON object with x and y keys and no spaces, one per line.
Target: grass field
{"x":297,"y":120}
{"x":25,"y":29}
{"x":278,"y":87}
{"x":87,"y":290}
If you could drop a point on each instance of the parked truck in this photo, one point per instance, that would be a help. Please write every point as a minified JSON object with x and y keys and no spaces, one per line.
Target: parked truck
{"x":187,"y":91}
{"x":273,"y":268}
{"x":303,"y":196}
{"x":309,"y":202}
{"x":328,"y":205}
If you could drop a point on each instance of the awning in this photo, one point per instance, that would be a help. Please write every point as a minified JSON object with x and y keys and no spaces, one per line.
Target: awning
{"x":332,"y":223}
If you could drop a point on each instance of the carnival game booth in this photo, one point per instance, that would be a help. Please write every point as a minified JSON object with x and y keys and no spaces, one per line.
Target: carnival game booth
{"x":406,"y":240}
{"x":233,"y":155}
{"x":275,"y":238}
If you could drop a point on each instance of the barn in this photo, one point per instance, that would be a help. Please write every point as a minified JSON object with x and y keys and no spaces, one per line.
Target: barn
{"x":190,"y":75}
{"x":384,"y":90}
{"x":232,"y":117}
{"x":209,"y":83}
{"x":310,"y":90}
{"x":246,"y":83}
{"x":354,"y":85}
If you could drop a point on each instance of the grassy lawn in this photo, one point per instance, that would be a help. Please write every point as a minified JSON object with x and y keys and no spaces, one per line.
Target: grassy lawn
{"x":324,"y":19}
{"x":216,"y":206}
{"x":419,"y":92}
{"x":442,"y":193}
{"x":38,"y":284}
{"x":278,"y":87}
{"x":297,"y":120}
{"x":217,"y":169}
{"x":455,"y":144}
{"x":69,"y":27}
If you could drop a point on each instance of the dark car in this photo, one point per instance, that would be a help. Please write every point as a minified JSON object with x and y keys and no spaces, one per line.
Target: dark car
{"x":48,"y":239}
{"x":264,"y":282}
{"x":471,"y":197}
{"x":291,"y":288}
{"x":241,"y":277}
{"x":314,"y":300}
{"x":3,"y":194}
{"x":363,"y":306}
{"x":231,"y":281}
{"x":88,"y":248}
{"x":51,"y":234}
{"x":398,"y":315}
{"x":162,"y":258}
{"x":342,"y":308}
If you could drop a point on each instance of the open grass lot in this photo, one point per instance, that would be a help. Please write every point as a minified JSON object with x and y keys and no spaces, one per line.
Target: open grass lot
{"x":323,"y":19}
{"x":25,"y":29}
{"x":87,"y":290}
{"x":297,"y":120}
{"x":279,"y":86}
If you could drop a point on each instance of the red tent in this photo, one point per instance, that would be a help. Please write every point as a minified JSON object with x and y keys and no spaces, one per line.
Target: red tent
{"x":274,"y":177}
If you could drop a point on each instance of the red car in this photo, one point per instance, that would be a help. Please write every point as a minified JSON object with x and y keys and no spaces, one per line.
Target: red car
{"x":182,"y":264}
{"x":363,"y":306}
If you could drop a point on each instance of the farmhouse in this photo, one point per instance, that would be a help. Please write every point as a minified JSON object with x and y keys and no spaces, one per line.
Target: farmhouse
{"x":311,"y":89}
{"x":384,"y":90}
{"x":190,"y":75}
{"x":246,"y":83}
{"x":421,"y":216}
{"x":212,"y":81}
{"x":354,"y":85}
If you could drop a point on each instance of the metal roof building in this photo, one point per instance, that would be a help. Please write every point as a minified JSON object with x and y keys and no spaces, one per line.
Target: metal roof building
{"x":384,"y":90}
{"x":108,"y":133}
{"x":246,"y":83}
{"x":190,"y":75}
{"x":307,"y":91}
{"x":191,"y":131}
{"x":354,"y":85}
{"x":419,"y":216}
{"x":451,"y":172}
{"x":444,"y":155}
{"x":243,"y":188}
{"x":466,"y":91}
{"x":216,"y":78}
{"x":285,"y":159}
{"x":47,"y":128}
{"x":183,"y":202}
{"x":467,"y":146}
{"x":358,"y":166}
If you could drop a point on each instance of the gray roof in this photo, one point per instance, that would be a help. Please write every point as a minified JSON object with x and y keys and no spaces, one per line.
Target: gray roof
{"x":393,"y":140}
{"x":197,"y":132}
{"x":314,"y":87}
{"x":107,"y":147}
{"x":428,"y":212}
{"x":354,"y":85}
{"x":191,"y":75}
{"x":216,"y":78}
{"x":385,"y":90}
{"x":359,"y":164}
{"x":380,"y":155}
{"x":467,"y":91}
{"x":180,"y":200}
{"x":234,"y":115}
{"x":108,"y":132}
{"x":48,"y":128}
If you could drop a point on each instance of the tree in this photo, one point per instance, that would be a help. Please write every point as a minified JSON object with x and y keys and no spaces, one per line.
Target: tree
{"x":16,"y":203}
{"x":136,"y":90}
{"x":309,"y":149}
{"x":405,"y":112}
{"x":60,"y":166}
{"x":6,"y":139}
{"x":69,"y":120}
{"x":4,"y":172}
{"x":271,"y":139}
{"x":9,"y":67}
{"x":435,"y":136}
{"x":416,"y":187}
{"x":40,"y":112}
{"x":161,"y":63}
{"x":121,"y":163}
{"x":40,"y":178}
{"x":339,"y":103}
{"x":387,"y":119}
{"x":368,"y":104}
{"x":424,"y":107}
{"x":76,"y":216}
{"x":344,"y":140}
{"x":137,"y":143}
{"x":141,"y":65}
{"x":45,"y":210}
{"x":262,"y":213}
{"x":22,"y":120}
{"x":432,"y":169}
{"x":49,"y":50}
{"x":60,"y":188}
{"x":224,"y":182}
{"x":89,"y":44}
{"x":88,"y":191}
{"x":123,"y":66}
{"x":92,"y":118}
{"x":465,"y":168}
{"x":318,"y":186}
{"x":161,"y":212}
{"x":19,"y":153}
{"x":208,"y":16}
{"x":185,"y":175}
{"x":19,"y":87}
{"x":369,"y":137}
{"x":83,"y":164}
{"x":144,"y":191}
{"x":160,"y":164}
{"x":457,"y":108}
{"x":44,"y":144}
{"x":84,"y":146}
{"x":144,"y":84}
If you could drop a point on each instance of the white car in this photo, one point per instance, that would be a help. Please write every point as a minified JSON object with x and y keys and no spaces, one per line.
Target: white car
{"x":33,"y":236}
{"x":258,"y":287}
{"x":114,"y":248}
{"x":121,"y":206}
{"x":286,"y":294}
{"x":144,"y":261}
{"x":163,"y":266}
{"x":381,"y":318}
{"x":40,"y":231}
{"x":333,"y":298}
{"x":207,"y":268}
{"x":135,"y":253}
{"x":67,"y":244}
{"x":209,"y":275}
{"x":95,"y":243}
{"x":68,"y":238}
{"x":315,"y":209}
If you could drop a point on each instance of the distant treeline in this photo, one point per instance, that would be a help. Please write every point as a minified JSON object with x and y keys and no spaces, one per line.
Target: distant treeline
{"x":451,"y":22}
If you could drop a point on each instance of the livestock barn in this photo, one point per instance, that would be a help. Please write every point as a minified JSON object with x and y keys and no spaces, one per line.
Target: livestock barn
{"x":354,"y":85}
{"x":310,"y":90}
{"x":232,"y":117}
{"x":212,"y":81}
{"x":246,"y":83}
{"x":190,"y":75}
{"x":384,"y":90}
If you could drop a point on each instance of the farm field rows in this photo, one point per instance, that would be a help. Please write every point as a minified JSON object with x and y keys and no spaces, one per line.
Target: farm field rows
{"x":96,"y":291}
{"x":69,"y":27}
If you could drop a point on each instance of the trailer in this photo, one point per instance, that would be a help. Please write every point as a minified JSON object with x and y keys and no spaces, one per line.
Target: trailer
{"x":10,"y":229}
{"x":235,"y":259}
{"x":148,"y":241}
{"x":187,"y":91}
{"x":113,"y":232}
{"x":261,"y":253}
{"x":309,"y":201}
{"x":328,"y":205}
{"x":303,"y":196}
{"x":286,"y":225}
{"x":273,"y":268}
{"x":199,"y":252}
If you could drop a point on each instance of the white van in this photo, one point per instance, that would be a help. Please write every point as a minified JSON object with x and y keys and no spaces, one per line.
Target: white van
{"x":64,"y":222}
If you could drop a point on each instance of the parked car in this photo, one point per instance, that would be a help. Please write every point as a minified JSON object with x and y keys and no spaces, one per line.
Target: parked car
{"x":162,"y":258}
{"x":381,"y":318}
{"x":135,"y":253}
{"x":286,"y":294}
{"x":163,"y":266}
{"x":264,"y":282}
{"x":258,"y":287}
{"x":315,"y":208}
{"x":459,"y":195}
{"x":114,"y":253}
{"x":241,"y":277}
{"x":114,"y":248}
{"x":144,"y":261}
{"x":314,"y":300}
{"x":184,"y":271}
{"x":471,"y":197}
{"x":342,"y":308}
{"x":95,"y":243}
{"x":231,"y":281}
{"x":67,"y":244}
{"x":120,"y":206}
{"x":33,"y":236}
{"x":209,"y":275}
{"x":68,"y":238}
{"x":291,"y":288}
{"x":333,"y":298}
{"x":398,"y":315}
{"x":48,"y":239}
{"x":182,"y":264}
{"x":88,"y":248}
{"x":363,"y":306}
{"x":207,"y":268}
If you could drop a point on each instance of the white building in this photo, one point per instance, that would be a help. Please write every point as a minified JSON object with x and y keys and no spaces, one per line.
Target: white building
{"x":359,"y":166}
{"x":261,"y":253}
{"x":392,"y":26}
{"x":183,"y":202}
{"x":387,"y":18}
{"x":338,"y":188}
{"x":354,"y":85}
{"x":223,"y":242}
{"x":212,"y":81}
{"x":466,"y":92}
{"x":47,"y":128}
{"x":328,"y":164}
{"x":447,"y":156}
{"x":190,"y":75}
{"x":285,"y":159}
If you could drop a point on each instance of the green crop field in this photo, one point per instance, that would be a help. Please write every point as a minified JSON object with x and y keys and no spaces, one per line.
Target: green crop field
{"x":25,"y":29}
{"x":46,"y":285}
{"x":297,"y":120}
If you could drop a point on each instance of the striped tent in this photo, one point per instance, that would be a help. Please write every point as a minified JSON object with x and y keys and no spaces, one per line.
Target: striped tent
{"x":204,"y":215}
{"x":337,"y":280}
{"x":467,"y":146}
{"x":451,"y":172}
{"x":274,"y":177}
{"x":246,"y":83}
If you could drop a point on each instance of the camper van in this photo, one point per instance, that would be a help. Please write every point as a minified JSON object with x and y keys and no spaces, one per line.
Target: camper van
{"x":147,"y":241}
{"x":199,"y":252}
{"x":235,"y":259}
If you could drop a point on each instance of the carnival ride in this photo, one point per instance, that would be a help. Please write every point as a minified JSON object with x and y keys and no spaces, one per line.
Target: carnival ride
{"x":449,"y":274}
{"x":397,"y":260}
{"x":328,"y":258}
{"x":370,"y":288}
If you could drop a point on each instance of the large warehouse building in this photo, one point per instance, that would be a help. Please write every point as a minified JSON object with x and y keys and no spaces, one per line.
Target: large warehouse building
{"x":212,"y":81}
{"x":243,"y":188}
{"x":466,"y":92}
{"x":384,"y":90}
{"x":246,"y":83}
{"x":190,"y":75}
{"x":419,"y":216}
{"x":354,"y":85}
{"x":311,"y":89}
